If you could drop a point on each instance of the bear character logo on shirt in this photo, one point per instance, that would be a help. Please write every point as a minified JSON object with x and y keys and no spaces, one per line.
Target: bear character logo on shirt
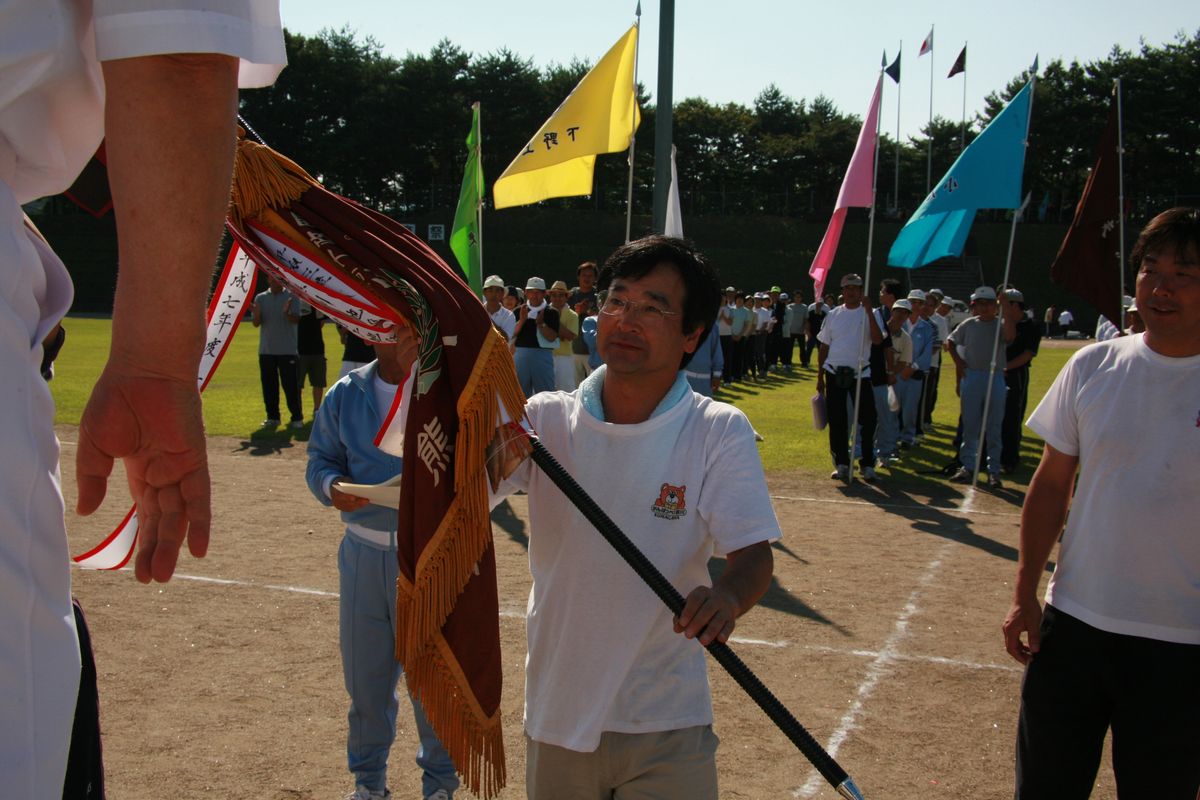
{"x":670,"y":503}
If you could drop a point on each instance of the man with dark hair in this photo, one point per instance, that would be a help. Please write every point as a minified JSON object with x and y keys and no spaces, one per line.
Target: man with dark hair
{"x":1019,"y":354}
{"x":618,"y":702}
{"x":276,"y":313}
{"x":1118,"y":643}
{"x":585,"y":275}
{"x":310,"y":345}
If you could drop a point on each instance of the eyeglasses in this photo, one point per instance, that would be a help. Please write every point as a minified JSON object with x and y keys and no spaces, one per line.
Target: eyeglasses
{"x":647,"y":313}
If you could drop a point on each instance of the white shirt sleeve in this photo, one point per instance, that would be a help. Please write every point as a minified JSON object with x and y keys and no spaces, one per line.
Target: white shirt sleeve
{"x":1056,"y":418}
{"x":248,"y":29}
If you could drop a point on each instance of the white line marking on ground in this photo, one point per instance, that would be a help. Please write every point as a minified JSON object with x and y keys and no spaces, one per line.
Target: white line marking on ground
{"x":966,"y":508}
{"x":519,"y":613}
{"x":968,"y":503}
{"x":760,"y":642}
{"x":876,"y":670}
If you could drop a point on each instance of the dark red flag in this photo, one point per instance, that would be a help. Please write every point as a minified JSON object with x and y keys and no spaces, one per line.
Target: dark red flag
{"x":1088,"y":261}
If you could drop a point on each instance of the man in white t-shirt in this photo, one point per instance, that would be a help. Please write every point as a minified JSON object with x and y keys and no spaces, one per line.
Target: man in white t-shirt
{"x":844,"y":375}
{"x":71,"y":75}
{"x":1118,"y":644}
{"x":616,"y":694}
{"x":493,"y":293}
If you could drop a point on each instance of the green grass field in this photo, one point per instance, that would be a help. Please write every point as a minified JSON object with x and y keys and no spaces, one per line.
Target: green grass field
{"x":779,"y":408}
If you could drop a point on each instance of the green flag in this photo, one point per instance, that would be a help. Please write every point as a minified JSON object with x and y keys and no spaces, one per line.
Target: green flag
{"x":466,"y":236}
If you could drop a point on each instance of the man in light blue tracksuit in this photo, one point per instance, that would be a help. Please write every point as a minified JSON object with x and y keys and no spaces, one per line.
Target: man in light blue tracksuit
{"x":342,"y":448}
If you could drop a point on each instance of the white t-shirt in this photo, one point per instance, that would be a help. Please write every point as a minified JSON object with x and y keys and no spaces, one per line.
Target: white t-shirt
{"x":848,"y":334}
{"x":685,"y":486}
{"x":763,"y":317}
{"x":1130,"y":557}
{"x":725,"y":320}
{"x":506,"y":321}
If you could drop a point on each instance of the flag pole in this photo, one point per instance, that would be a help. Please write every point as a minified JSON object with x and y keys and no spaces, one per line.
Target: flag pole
{"x":633,"y":125}
{"x":962,"y":133}
{"x":1012,"y":235}
{"x":1120,"y":199}
{"x":929,"y":156}
{"x":867,"y":283}
{"x":896,"y":187}
{"x":479,"y":201}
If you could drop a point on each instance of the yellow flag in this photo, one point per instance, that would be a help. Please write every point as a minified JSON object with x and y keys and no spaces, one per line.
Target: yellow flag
{"x":599,"y":116}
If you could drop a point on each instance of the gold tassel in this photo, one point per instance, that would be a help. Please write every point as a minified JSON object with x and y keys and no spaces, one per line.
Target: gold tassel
{"x":475,"y":743}
{"x":262,"y":178}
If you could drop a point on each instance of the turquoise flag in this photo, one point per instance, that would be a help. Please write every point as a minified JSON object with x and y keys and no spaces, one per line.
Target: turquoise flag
{"x":986,"y":175}
{"x":465,"y":234}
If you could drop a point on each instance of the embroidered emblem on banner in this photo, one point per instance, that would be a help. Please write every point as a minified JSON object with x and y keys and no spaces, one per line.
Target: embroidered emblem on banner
{"x":433,"y":448}
{"x":670,"y":503}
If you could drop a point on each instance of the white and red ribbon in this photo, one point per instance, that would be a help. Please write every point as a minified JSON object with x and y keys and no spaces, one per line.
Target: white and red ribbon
{"x":225,"y":311}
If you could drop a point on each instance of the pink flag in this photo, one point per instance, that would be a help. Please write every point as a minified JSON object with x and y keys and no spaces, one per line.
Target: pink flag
{"x":857,"y":191}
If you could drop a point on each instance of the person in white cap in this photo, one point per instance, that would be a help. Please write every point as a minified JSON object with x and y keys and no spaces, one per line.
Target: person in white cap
{"x":975,"y":348}
{"x":534,"y":339}
{"x":843,"y":363}
{"x":1117,"y":645}
{"x":493,"y":297}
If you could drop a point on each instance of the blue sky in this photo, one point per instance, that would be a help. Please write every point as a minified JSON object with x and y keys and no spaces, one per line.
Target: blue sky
{"x":728,"y":52}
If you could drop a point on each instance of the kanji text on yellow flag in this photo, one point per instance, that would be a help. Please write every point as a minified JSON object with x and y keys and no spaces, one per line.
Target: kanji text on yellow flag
{"x":599,"y":116}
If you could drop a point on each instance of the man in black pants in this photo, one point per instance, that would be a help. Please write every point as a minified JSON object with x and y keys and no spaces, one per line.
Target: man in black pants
{"x":276,"y":314}
{"x":1018,"y":355}
{"x":842,"y":365}
{"x":1118,"y":644}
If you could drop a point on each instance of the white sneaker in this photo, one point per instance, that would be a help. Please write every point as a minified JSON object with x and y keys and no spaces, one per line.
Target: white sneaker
{"x":296,"y":424}
{"x":363,"y":793}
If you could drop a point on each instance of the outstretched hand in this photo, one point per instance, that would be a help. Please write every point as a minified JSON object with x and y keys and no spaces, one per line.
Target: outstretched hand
{"x":155,"y":426}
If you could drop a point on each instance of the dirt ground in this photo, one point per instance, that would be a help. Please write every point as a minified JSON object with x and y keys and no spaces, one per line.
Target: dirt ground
{"x":881,"y":633}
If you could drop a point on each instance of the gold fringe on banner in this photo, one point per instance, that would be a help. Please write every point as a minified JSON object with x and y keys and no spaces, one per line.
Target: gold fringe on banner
{"x":449,"y":560}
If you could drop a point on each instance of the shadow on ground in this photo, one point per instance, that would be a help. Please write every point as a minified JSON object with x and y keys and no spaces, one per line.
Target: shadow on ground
{"x":778,"y":598}
{"x":267,"y":441}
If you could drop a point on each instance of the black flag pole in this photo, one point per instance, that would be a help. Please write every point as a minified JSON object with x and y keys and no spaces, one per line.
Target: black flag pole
{"x":724,"y":655}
